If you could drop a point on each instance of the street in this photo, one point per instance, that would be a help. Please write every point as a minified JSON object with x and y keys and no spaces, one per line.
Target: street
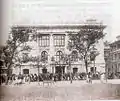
{"x":62,"y":91}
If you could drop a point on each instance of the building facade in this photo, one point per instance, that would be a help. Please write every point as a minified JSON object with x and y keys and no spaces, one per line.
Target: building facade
{"x":49,"y":46}
{"x":112,"y":58}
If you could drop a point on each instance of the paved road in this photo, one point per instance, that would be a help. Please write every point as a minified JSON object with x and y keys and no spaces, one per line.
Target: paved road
{"x":62,"y":91}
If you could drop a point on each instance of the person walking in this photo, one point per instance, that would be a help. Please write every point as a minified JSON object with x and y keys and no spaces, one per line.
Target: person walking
{"x":103,"y":78}
{"x":89,"y":78}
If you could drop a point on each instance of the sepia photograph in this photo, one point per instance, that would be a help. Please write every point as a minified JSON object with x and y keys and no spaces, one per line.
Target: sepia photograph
{"x":59,"y":50}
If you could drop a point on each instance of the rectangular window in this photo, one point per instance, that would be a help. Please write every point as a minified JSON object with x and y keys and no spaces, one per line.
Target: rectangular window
{"x":44,"y":40}
{"x":59,"y":40}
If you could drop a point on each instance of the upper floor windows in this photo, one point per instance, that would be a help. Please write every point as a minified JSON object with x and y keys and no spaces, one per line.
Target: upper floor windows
{"x":44,"y":40}
{"x":59,"y":40}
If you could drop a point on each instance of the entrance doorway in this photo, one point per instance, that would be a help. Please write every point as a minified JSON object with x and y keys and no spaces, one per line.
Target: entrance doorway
{"x":60,"y":69}
{"x":75,"y":70}
{"x":44,"y":70}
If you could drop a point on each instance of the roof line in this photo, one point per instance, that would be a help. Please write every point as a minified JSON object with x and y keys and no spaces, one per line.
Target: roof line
{"x":60,"y":26}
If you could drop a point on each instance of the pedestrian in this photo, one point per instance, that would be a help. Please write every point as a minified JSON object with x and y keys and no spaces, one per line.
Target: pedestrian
{"x":103,"y":78}
{"x":89,"y":78}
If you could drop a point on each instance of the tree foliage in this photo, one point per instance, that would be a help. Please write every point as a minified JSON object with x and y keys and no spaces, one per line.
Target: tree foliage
{"x":15,"y":46}
{"x":84,"y":40}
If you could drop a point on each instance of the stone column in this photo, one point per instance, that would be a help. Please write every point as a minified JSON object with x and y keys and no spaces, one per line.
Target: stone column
{"x":51,"y":53}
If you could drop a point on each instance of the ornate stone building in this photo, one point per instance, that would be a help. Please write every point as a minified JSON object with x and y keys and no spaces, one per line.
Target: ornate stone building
{"x":112,"y":57}
{"x":50,"y":44}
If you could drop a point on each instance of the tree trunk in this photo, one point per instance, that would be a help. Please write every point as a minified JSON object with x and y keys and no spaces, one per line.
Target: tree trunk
{"x":70,"y":73}
{"x":8,"y":73}
{"x":86,"y":66}
{"x":9,"y":66}
{"x":38,"y":73}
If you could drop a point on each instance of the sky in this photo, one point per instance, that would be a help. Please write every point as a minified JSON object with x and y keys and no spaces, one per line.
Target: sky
{"x":36,"y":12}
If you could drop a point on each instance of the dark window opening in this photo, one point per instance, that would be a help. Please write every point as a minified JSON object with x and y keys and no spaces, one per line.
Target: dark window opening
{"x":44,"y":70}
{"x":75,"y":70}
{"x":25,"y":71}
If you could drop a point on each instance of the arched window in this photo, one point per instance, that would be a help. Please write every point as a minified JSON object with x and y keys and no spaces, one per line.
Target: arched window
{"x":74,"y":56}
{"x":59,"y":55}
{"x":44,"y":56}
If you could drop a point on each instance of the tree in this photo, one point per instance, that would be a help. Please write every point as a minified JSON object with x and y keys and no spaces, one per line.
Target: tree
{"x":22,"y":58}
{"x":67,"y":59}
{"x":15,"y":46}
{"x":84,"y":40}
{"x":93,"y":54}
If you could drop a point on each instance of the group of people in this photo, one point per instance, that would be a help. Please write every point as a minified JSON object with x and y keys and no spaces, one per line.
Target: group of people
{"x":101,"y":76}
{"x":114,"y":75}
{"x":27,"y":78}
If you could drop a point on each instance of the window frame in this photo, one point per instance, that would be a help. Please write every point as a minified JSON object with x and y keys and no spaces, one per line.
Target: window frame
{"x":59,"y":40}
{"x":44,"y":40}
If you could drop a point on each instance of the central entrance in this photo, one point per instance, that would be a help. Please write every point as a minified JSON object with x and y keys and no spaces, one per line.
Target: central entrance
{"x":60,"y":69}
